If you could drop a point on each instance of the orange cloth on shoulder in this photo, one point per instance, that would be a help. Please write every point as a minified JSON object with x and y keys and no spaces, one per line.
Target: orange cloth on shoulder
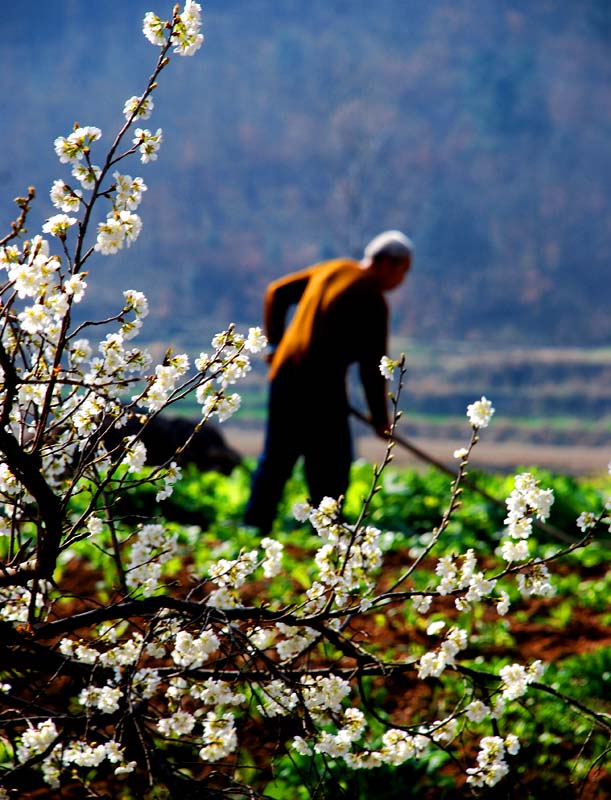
{"x":341,"y":318}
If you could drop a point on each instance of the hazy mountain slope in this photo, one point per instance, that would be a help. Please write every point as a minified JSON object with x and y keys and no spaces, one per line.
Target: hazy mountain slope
{"x":301,"y":129}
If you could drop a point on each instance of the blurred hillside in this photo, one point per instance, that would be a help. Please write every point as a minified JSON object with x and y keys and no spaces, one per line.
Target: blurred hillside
{"x":482,"y":128}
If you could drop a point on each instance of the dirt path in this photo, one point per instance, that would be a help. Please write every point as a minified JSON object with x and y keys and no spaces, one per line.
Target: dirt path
{"x":503,"y":456}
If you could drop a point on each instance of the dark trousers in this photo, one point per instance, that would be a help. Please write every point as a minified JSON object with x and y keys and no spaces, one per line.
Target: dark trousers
{"x":303,"y":420}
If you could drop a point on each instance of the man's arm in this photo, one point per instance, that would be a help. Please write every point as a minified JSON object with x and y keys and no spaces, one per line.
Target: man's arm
{"x":374,"y":383}
{"x":279,"y":297}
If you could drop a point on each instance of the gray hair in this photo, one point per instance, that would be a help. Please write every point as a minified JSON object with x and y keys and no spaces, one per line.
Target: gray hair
{"x":390,"y":243}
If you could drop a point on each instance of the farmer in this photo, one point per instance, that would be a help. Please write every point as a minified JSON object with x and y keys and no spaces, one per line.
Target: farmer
{"x":341,"y":318}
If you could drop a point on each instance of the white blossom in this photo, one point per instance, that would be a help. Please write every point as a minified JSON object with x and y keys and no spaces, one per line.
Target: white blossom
{"x":94,"y":524}
{"x":153,"y":28}
{"x":387,"y":367}
{"x":145,"y":107}
{"x":219,"y":737}
{"x":234,"y":573}
{"x":477,"y":711}
{"x":399,"y":746}
{"x":75,"y":287}
{"x":148,"y":143}
{"x":431,"y":664}
{"x":278,"y":699}
{"x":9,"y":254}
{"x":444,"y":731}
{"x":146,"y":681}
{"x":136,"y":301}
{"x":192,"y":651}
{"x":325,"y":514}
{"x":301,"y":511}
{"x":170,"y":477}
{"x":223,"y":597}
{"x":256,"y":341}
{"x":502,"y":605}
{"x":435,"y":627}
{"x":422,"y":603}
{"x":586,"y":520}
{"x":135,"y":454}
{"x":181,"y":723}
{"x":83,"y":754}
{"x":110,"y":237}
{"x":59,"y":225}
{"x":64,"y":198}
{"x":536,"y":581}
{"x":186,"y":36}
{"x":301,"y":746}
{"x":516,"y":678}
{"x":296,"y":640}
{"x":152,"y":547}
{"x":272,"y":562}
{"x":322,"y":694}
{"x":203,"y":362}
{"x":36,"y":739}
{"x":35,"y":318}
{"x":480,"y":413}
{"x":213,"y":692}
{"x":106,"y":699}
{"x":227,"y":406}
{"x":129,"y":192}
{"x":86,"y":174}
{"x":491,"y":764}
{"x":479,"y":587}
{"x":72,"y":148}
{"x":514,"y":551}
{"x":167,"y":376}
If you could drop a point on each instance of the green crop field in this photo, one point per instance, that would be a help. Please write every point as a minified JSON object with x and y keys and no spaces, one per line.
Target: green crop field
{"x":563,"y":750}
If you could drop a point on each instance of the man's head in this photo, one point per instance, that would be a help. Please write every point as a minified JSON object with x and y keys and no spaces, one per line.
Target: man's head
{"x":389,"y":256}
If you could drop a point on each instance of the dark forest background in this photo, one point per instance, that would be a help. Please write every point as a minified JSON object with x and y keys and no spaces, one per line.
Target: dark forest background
{"x":482,"y":128}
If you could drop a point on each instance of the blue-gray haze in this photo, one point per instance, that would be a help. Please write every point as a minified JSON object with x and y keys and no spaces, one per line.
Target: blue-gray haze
{"x":482,"y":128}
